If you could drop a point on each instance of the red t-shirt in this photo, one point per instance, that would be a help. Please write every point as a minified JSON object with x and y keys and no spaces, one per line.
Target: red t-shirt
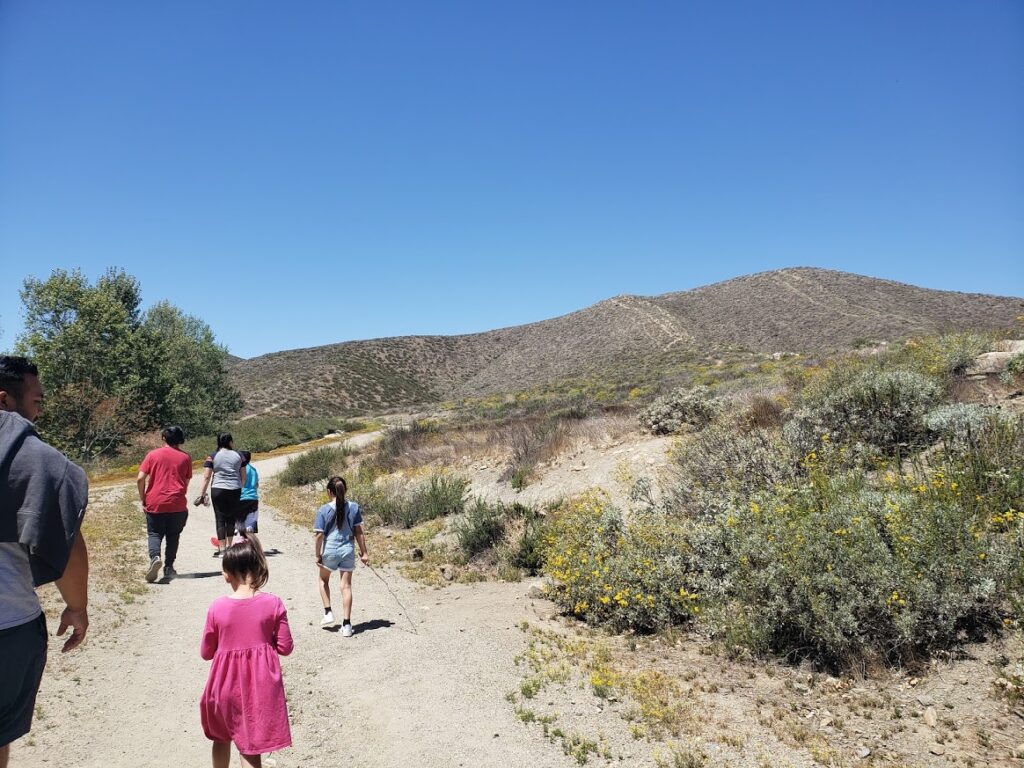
{"x":169,"y":471}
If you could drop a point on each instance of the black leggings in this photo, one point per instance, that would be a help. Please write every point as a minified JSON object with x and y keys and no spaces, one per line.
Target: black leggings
{"x":226,"y":502}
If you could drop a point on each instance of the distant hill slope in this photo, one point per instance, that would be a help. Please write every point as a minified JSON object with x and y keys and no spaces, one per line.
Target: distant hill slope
{"x":627,"y":337}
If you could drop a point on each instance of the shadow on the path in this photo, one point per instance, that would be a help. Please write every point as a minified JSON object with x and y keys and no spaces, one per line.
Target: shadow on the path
{"x":196,"y":575}
{"x":369,"y":626}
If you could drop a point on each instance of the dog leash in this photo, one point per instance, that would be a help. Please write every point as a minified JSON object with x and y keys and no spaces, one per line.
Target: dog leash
{"x":395,"y":597}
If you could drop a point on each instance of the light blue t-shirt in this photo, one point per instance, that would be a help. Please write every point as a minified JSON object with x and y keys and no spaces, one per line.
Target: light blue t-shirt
{"x":325,"y":520}
{"x":250,"y":491}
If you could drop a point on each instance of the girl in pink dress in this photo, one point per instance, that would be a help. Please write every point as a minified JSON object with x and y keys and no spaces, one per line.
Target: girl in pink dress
{"x":243,"y":701}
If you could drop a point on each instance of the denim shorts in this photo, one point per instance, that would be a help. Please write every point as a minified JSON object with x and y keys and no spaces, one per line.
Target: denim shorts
{"x":340,"y":558}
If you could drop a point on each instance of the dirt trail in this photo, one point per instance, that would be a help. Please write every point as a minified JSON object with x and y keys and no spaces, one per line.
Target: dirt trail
{"x":385,"y":697}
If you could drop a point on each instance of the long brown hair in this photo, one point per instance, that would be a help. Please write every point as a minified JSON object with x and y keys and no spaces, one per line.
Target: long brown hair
{"x":246,"y":562}
{"x":337,"y":487}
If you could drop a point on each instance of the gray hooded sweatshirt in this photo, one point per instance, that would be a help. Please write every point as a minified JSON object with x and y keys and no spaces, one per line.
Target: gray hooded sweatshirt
{"x":42,"y":499}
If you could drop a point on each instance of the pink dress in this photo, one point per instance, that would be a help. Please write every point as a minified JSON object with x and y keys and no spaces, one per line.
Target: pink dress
{"x":244,"y":699}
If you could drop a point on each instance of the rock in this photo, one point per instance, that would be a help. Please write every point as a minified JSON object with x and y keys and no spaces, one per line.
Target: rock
{"x":448,"y":572}
{"x":388,"y":534}
{"x":415,"y":554}
{"x":930,"y":718}
{"x":863,"y":753}
{"x":994,"y":363}
{"x":937,"y":749}
{"x":537,"y":592}
{"x":826,"y":722}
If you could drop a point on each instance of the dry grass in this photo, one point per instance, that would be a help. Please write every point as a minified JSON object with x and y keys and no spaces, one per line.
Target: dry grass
{"x":115,"y":533}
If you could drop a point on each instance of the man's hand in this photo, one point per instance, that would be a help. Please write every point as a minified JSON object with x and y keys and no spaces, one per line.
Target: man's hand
{"x":78,"y":621}
{"x":365,"y":557}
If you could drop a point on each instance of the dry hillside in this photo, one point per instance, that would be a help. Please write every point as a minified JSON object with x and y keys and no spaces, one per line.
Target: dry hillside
{"x":626,"y":339}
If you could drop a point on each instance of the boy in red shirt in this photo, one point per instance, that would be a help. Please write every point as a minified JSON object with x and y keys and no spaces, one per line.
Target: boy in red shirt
{"x":163,"y":481}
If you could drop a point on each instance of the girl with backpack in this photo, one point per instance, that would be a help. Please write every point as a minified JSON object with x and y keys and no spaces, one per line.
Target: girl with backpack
{"x":337,"y":524}
{"x":245,"y":632}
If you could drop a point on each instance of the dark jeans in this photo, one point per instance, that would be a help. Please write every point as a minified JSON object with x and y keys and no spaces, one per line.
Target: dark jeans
{"x":165,"y":524}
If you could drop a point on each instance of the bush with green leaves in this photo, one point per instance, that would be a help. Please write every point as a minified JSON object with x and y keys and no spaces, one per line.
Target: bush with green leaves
{"x":1016,"y":365}
{"x":315,"y":465}
{"x":480,"y":528}
{"x":847,"y":568}
{"x":955,"y":423}
{"x":682,"y":407}
{"x":943,"y":357}
{"x":720,"y":465}
{"x":878,"y":409}
{"x":398,"y":504}
{"x":621,"y":575}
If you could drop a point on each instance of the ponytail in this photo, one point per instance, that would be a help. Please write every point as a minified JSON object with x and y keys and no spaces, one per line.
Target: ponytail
{"x":337,"y":487}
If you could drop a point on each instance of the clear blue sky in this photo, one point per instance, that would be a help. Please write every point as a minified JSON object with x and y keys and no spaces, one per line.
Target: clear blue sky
{"x":304,"y":173}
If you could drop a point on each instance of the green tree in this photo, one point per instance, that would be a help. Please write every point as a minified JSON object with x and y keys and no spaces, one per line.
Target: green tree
{"x":109,"y":371}
{"x":191,"y":386}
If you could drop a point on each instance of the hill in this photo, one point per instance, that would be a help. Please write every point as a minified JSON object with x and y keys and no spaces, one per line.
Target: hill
{"x":627,"y":340}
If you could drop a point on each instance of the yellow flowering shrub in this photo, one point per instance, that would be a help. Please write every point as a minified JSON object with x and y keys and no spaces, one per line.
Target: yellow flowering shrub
{"x":885,"y":565}
{"x":623,"y":575}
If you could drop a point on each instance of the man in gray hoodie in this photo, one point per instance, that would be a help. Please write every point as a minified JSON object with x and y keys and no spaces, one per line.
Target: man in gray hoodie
{"x":42,"y":500}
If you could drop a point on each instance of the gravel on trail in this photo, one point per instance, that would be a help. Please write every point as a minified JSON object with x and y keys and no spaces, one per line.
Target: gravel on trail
{"x":385,"y":697}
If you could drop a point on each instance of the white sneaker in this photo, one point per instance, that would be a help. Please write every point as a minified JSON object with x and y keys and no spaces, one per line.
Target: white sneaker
{"x":154,"y":570}
{"x":328,"y":620}
{"x":346,"y":630}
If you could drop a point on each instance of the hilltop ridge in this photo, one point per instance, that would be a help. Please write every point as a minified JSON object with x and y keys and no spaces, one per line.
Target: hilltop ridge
{"x":624,"y":338}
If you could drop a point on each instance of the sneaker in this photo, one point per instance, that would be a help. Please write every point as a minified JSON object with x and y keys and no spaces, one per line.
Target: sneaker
{"x":328,"y":620}
{"x":217,"y":553}
{"x":154,"y":570}
{"x":346,"y":630}
{"x":169,"y":572}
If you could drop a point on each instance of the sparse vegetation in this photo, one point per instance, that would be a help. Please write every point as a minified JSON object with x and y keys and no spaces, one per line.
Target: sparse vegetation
{"x":315,"y":465}
{"x":681,"y":408}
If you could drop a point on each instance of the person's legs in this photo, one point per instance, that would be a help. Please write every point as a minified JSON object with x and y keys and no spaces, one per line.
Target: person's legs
{"x":325,"y":587}
{"x":252,"y":761}
{"x":346,"y":595}
{"x":154,"y":534}
{"x":219,"y":497}
{"x":221,"y":753}
{"x":23,"y":651}
{"x":174,"y":525}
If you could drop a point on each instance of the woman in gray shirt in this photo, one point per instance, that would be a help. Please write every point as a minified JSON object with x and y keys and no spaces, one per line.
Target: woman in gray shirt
{"x":224,"y":474}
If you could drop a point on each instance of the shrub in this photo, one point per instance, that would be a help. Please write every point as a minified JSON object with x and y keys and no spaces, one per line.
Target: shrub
{"x":610,"y":573}
{"x":762,"y":412}
{"x":398,"y":440}
{"x":1016,"y":365}
{"x":395,"y":503}
{"x":530,"y":443}
{"x":720,"y":466}
{"x":480,"y":528}
{"x":668,"y":415}
{"x":315,"y":465}
{"x":841,"y":571}
{"x":526,"y":551}
{"x":877,"y":408}
{"x":956,"y":423}
{"x":942,"y":357}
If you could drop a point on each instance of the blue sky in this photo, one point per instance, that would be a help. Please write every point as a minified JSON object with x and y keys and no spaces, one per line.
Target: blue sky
{"x":304,"y":173}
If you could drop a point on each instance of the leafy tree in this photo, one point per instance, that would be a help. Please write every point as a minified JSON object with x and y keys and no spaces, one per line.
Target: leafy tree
{"x":109,"y":371}
{"x":191,"y":387}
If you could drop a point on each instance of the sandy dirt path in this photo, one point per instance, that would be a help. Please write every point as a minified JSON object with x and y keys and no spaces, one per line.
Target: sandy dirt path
{"x":388,"y":696}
